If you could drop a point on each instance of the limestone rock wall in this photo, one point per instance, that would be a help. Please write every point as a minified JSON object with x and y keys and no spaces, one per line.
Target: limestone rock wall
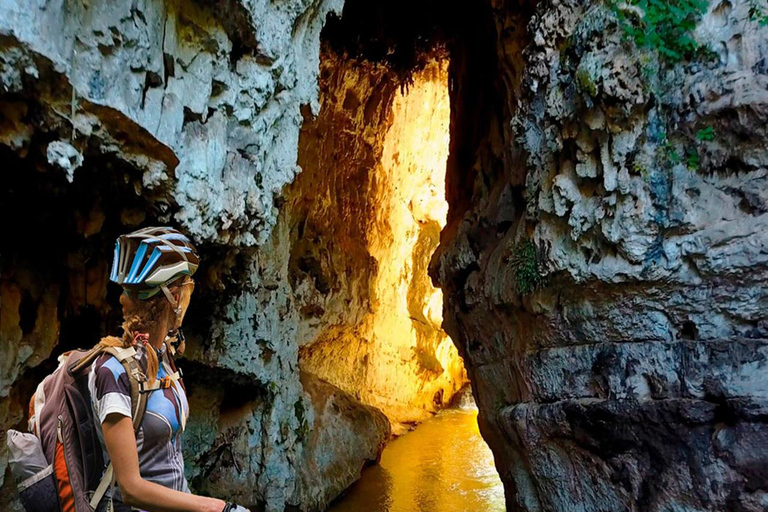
{"x":604,"y":259}
{"x":606,"y":280}
{"x":214,"y":88}
{"x":339,"y":426}
{"x":366,"y":214}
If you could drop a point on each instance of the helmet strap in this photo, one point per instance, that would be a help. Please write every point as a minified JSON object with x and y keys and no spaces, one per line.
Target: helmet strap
{"x":174,"y":303}
{"x":175,"y":332}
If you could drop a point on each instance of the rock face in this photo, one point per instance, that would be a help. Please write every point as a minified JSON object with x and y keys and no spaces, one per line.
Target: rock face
{"x":214,"y":89}
{"x":604,"y":260}
{"x":366,"y":214}
{"x":340,"y":426}
{"x":606,"y":278}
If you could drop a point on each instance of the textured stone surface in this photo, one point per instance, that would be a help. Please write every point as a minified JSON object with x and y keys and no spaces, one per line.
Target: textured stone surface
{"x":634,"y":378}
{"x":219,"y":84}
{"x":124,"y":114}
{"x":366,"y":214}
{"x":343,"y":435}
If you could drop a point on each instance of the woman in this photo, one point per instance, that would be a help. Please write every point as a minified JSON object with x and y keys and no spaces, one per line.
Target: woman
{"x":154,"y":267}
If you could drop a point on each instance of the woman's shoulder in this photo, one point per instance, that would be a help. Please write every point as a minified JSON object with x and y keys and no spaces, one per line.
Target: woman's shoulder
{"x":108,"y":375}
{"x":109,"y":357}
{"x":107,"y":362}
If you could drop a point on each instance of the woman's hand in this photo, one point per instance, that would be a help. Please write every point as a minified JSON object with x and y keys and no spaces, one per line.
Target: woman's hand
{"x":137,"y":492}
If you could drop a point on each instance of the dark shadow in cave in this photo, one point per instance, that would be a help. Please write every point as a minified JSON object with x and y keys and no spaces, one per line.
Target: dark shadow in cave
{"x":60,"y":239}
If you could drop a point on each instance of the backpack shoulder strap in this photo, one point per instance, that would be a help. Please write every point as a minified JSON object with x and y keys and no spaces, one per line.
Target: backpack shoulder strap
{"x":85,"y":361}
{"x":127,"y":357}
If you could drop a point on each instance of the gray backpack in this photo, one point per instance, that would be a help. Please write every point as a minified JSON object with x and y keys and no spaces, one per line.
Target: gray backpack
{"x":59,"y":466}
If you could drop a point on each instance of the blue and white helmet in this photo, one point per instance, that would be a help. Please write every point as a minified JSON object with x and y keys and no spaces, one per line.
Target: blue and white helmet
{"x":148,"y":260}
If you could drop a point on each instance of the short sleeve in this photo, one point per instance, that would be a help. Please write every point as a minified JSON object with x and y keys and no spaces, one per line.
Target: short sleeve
{"x":109,"y":387}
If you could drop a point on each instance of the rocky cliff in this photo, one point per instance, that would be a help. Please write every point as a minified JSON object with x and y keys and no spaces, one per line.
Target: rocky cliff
{"x":606,"y":278}
{"x":602,"y":258}
{"x":367,"y":212}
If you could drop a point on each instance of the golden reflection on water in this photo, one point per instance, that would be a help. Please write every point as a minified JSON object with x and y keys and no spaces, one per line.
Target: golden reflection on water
{"x":442,"y":466}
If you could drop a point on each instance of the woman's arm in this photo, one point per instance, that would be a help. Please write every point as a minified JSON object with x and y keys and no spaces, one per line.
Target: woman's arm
{"x":137,"y":492}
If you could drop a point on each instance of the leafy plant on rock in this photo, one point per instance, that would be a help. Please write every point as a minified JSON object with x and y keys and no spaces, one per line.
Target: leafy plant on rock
{"x":757,"y":13}
{"x":301,"y":417}
{"x":665,"y":26}
{"x":706,"y":134}
{"x":525,"y":266}
{"x":586,"y":83}
{"x":692,"y":159}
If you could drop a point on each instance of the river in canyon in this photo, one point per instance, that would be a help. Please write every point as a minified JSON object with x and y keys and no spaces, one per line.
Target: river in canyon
{"x":441,"y":466}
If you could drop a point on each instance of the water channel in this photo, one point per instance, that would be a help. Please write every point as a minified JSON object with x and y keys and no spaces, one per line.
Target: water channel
{"x":441,"y":466}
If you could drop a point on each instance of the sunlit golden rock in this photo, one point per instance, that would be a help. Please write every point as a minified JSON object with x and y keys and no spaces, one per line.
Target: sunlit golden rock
{"x":367,"y":214}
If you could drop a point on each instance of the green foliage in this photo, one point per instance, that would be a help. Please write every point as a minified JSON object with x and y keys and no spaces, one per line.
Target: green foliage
{"x":641,"y":169}
{"x":303,"y":429}
{"x":692,"y":159}
{"x":706,"y":134}
{"x":671,"y":156}
{"x":665,"y":26}
{"x":585,"y":82}
{"x":525,"y":268}
{"x":757,"y":13}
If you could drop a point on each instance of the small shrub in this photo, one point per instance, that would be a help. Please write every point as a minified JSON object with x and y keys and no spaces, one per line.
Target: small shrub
{"x":706,"y":134}
{"x":525,"y":267}
{"x":665,"y":26}
{"x":757,"y":13}
{"x":692,"y":160}
{"x":586,"y":83}
{"x":303,"y":429}
{"x":671,"y":154}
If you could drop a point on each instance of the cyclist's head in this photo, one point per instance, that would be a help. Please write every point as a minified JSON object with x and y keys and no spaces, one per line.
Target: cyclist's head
{"x":154,"y":266}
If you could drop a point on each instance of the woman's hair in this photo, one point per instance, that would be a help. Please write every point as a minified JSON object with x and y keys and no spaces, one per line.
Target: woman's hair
{"x":138,"y":317}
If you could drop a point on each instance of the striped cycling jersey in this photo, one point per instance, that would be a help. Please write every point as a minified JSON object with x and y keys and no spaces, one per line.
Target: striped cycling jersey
{"x":159,"y":439}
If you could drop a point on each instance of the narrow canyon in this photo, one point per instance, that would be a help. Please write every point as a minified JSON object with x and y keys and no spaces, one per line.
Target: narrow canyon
{"x":562,"y":204}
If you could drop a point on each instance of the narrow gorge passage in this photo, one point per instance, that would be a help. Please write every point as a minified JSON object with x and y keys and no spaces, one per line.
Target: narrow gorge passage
{"x":367,"y":212}
{"x":603,"y":259}
{"x":365,"y":218}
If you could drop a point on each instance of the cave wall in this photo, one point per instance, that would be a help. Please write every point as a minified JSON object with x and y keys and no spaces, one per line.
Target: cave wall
{"x":209,"y":91}
{"x":117,"y":115}
{"x":605,"y":264}
{"x":53,"y":277}
{"x":366,"y":213}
